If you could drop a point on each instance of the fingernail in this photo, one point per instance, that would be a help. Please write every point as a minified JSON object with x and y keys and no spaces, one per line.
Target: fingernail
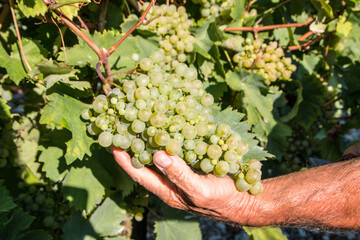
{"x":162,"y":161}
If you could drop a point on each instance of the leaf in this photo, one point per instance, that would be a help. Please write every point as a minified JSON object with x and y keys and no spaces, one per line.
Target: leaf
{"x":54,"y":165}
{"x":4,"y":109}
{"x":32,"y":49}
{"x":265,"y":233}
{"x":108,"y":216}
{"x":277,"y":139}
{"x":81,"y":54}
{"x":78,"y":228}
{"x":64,"y":111}
{"x":6,"y":201}
{"x":309,"y":64}
{"x":13,"y":67}
{"x":36,"y":234}
{"x":176,"y":229}
{"x":84,"y":186}
{"x":327,"y":8}
{"x":295,"y":109}
{"x":53,"y":72}
{"x":32,"y":8}
{"x":237,"y":10}
{"x":19,"y":221}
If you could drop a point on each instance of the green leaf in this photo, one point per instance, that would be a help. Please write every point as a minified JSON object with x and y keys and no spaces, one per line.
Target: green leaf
{"x":36,"y":234}
{"x":343,"y":27}
{"x":84,"y":186}
{"x":53,"y":72}
{"x":19,"y":221}
{"x":277,"y":139}
{"x":327,"y":8}
{"x":64,"y":111}
{"x":33,"y":51}
{"x":295,"y":109}
{"x":309,"y":63}
{"x":13,"y":66}
{"x":237,"y":10}
{"x":4,"y":109}
{"x":265,"y":233}
{"x":32,"y":8}
{"x":54,"y":164}
{"x":108,"y":216}
{"x":78,"y":228}
{"x":6,"y":201}
{"x":81,"y":54}
{"x":177,"y":229}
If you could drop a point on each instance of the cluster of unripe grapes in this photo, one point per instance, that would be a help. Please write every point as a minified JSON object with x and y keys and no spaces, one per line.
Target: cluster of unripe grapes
{"x":169,"y":110}
{"x":39,"y":201}
{"x":172,"y":25}
{"x":216,"y":8}
{"x":268,"y":60}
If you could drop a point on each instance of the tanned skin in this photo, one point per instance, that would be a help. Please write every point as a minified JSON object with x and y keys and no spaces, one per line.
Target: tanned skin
{"x":326,"y":197}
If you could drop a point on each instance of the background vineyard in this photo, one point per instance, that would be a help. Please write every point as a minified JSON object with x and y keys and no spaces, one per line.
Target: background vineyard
{"x":56,"y":182}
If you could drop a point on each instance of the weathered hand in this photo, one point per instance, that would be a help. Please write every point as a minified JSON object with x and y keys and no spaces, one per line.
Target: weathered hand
{"x":181,"y":188}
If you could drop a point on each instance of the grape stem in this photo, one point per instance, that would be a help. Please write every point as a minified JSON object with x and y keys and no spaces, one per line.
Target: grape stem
{"x":83,"y":24}
{"x":307,"y":44}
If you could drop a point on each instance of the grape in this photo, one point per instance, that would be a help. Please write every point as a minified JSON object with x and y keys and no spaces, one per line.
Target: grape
{"x":190,"y":156}
{"x":222,"y":167}
{"x":145,"y":157}
{"x":206,"y":165}
{"x":137,"y":126}
{"x":137,"y":145}
{"x":162,"y":138}
{"x":231,"y":156}
{"x":255,"y":164}
{"x":214,"y":151}
{"x":136,"y":163}
{"x":223,"y":130}
{"x":173,"y":147}
{"x":189,"y":144}
{"x":200,"y":148}
{"x":256,"y":188}
{"x":157,"y":119}
{"x":48,"y":221}
{"x":242,"y":185}
{"x":189,"y":132}
{"x":105,"y":139}
{"x":146,"y":64}
{"x":253,"y":176}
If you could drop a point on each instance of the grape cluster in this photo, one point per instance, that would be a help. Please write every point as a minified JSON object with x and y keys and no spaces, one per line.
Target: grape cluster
{"x":216,"y":8}
{"x":268,"y":60}
{"x":169,"y":110}
{"x":172,"y":24}
{"x":43,"y":203}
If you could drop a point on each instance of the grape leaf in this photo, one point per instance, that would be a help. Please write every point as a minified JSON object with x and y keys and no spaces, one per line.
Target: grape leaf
{"x":6,"y":201}
{"x":35,"y":234}
{"x":31,"y":48}
{"x":13,"y":67}
{"x":84,"y":186}
{"x":81,"y":54}
{"x":18,"y":222}
{"x":237,"y":10}
{"x":4,"y":109}
{"x":65,"y":111}
{"x":53,"y":72}
{"x":32,"y":8}
{"x":78,"y":228}
{"x":108,"y":216}
{"x":265,"y":233}
{"x":54,"y":165}
{"x":174,"y":229}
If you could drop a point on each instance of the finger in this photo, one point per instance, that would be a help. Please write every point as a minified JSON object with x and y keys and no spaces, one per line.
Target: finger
{"x":178,"y":172}
{"x":149,"y":179}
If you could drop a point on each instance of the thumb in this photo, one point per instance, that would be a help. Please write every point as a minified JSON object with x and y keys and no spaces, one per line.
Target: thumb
{"x":176,"y":170}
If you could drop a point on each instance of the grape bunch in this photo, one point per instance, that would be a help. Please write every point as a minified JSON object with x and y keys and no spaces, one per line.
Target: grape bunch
{"x":169,"y":110}
{"x":268,"y":60}
{"x":43,"y":203}
{"x":216,"y":8}
{"x":172,"y":24}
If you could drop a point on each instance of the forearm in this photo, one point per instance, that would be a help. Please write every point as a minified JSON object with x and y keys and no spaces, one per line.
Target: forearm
{"x":324,"y":197}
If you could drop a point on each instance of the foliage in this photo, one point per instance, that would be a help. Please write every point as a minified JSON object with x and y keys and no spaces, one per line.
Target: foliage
{"x":64,"y":57}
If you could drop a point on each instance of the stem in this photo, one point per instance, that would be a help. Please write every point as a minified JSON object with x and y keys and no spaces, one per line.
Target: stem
{"x":102,"y":16}
{"x":305,"y":36}
{"x":270,"y":27}
{"x":54,"y":6}
{"x":229,"y":60}
{"x":4,"y":14}
{"x":332,"y":101}
{"x":141,"y":20}
{"x":234,"y":98}
{"x":309,"y":43}
{"x":19,"y":36}
{"x":62,"y":38}
{"x":83,"y":24}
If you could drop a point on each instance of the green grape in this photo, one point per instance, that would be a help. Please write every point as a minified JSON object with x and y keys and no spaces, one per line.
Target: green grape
{"x":231,"y":156}
{"x":189,"y":144}
{"x":222,"y":167}
{"x":253,"y":176}
{"x":242,"y":148}
{"x":144,"y":114}
{"x":145,"y":157}
{"x":162,"y":138}
{"x":142,"y":93}
{"x":86,"y":114}
{"x":131,"y":114}
{"x":190,"y":156}
{"x":173,"y":147}
{"x":105,"y":139}
{"x":207,"y":100}
{"x":137,"y":145}
{"x":48,"y":221}
{"x":256,"y":188}
{"x":142,"y":80}
{"x":223,"y":130}
{"x":189,"y":132}
{"x":234,"y":168}
{"x":242,"y":185}
{"x":200,"y":148}
{"x":157,"y":119}
{"x":137,"y":126}
{"x":214,"y":151}
{"x":146,"y":64}
{"x":206,"y":166}
{"x":100,"y":104}
{"x":151,"y":131}
{"x":254,"y":164}
{"x":136,"y":163}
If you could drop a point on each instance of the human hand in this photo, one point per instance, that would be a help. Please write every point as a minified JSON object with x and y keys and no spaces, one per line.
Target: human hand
{"x":181,"y":188}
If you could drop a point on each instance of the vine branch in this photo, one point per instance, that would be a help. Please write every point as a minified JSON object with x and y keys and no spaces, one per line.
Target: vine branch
{"x":4,"y":14}
{"x":256,"y":29}
{"x":18,"y":35}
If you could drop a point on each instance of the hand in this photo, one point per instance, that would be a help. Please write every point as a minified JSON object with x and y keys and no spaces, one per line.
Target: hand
{"x":181,"y":188}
